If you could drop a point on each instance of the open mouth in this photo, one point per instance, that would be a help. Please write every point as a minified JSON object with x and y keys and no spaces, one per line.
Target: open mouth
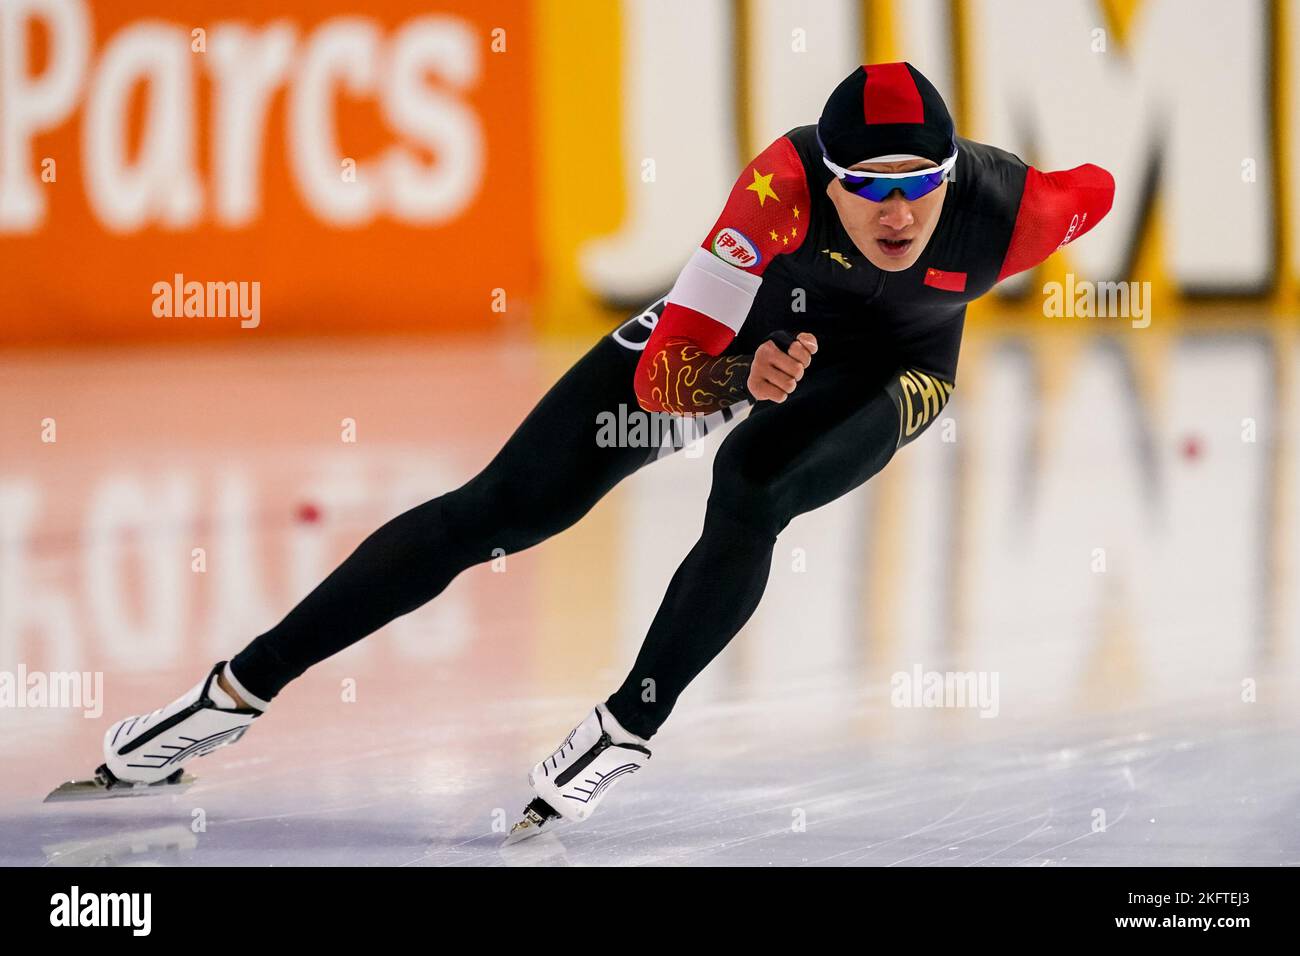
{"x":894,"y":247}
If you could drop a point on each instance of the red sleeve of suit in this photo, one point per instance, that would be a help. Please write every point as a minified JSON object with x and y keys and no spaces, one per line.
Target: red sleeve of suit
{"x":682,"y":370}
{"x":1055,"y":209}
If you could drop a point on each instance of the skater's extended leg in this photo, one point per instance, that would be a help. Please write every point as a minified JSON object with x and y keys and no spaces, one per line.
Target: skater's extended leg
{"x":550,"y":473}
{"x":833,"y":434}
{"x":546,"y":477}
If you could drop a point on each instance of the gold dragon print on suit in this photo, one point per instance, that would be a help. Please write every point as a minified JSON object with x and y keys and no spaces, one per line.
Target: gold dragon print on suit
{"x":687,"y":380}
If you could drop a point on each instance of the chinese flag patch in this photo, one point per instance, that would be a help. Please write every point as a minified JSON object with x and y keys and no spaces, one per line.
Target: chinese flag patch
{"x":948,"y":281}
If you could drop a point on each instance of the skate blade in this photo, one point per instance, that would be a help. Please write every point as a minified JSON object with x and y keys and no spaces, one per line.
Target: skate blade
{"x":538,"y":818}
{"x":526,"y":830}
{"x":97,"y":788}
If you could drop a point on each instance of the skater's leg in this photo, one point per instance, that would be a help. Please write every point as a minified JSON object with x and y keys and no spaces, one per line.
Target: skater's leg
{"x":830,"y":436}
{"x":546,"y":477}
{"x":550,"y":472}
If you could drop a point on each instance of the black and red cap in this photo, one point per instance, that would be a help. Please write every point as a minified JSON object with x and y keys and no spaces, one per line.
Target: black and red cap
{"x":884,"y":112}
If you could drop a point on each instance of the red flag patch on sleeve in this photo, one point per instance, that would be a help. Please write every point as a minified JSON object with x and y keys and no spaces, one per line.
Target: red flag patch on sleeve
{"x":948,"y":281}
{"x":766,"y":213}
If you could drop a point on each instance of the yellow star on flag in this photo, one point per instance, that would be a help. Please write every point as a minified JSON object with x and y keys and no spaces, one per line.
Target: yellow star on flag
{"x":796,"y":212}
{"x":762,"y":186}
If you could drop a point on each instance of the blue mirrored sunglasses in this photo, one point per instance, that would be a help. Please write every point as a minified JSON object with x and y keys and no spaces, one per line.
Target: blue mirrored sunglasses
{"x":879,"y":186}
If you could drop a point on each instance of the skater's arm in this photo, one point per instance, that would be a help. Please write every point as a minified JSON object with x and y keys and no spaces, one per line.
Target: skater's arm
{"x":683,"y":370}
{"x":684,"y":379}
{"x":1055,"y":209}
{"x":675,"y":375}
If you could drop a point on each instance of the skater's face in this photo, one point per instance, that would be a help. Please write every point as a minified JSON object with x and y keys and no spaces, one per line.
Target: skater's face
{"x":894,"y":232}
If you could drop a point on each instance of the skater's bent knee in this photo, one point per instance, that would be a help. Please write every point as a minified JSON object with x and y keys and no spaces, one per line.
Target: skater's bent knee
{"x":749,"y":503}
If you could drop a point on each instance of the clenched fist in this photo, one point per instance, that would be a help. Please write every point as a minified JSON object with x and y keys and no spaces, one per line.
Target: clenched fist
{"x":774,"y":373}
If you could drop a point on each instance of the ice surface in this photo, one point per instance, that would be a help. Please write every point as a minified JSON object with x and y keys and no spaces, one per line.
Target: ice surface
{"x":1117,"y":548}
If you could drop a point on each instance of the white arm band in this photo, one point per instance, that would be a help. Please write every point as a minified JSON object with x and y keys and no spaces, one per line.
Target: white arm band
{"x":716,"y":289}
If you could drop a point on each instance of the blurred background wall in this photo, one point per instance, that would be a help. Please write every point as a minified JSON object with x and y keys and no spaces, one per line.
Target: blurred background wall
{"x":465,"y":165}
{"x":443,"y":203}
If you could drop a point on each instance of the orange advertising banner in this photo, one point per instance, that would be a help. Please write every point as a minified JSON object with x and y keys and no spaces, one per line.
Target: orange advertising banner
{"x":201,"y":169}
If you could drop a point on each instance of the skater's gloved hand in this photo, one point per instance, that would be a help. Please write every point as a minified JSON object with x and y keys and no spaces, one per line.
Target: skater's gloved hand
{"x":779,"y":364}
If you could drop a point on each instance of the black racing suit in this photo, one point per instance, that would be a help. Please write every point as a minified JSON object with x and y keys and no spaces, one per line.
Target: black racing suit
{"x":885,"y":366}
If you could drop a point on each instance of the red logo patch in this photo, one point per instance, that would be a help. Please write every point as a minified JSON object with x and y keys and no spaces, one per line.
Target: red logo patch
{"x":731,"y":245}
{"x":948,"y":281}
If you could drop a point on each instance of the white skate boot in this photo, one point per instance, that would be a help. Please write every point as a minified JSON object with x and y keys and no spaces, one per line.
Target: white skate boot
{"x":146,"y":753}
{"x":571,"y":782}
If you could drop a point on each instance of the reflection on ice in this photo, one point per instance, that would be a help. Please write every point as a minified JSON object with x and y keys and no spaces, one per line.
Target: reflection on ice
{"x":1110,"y":542}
